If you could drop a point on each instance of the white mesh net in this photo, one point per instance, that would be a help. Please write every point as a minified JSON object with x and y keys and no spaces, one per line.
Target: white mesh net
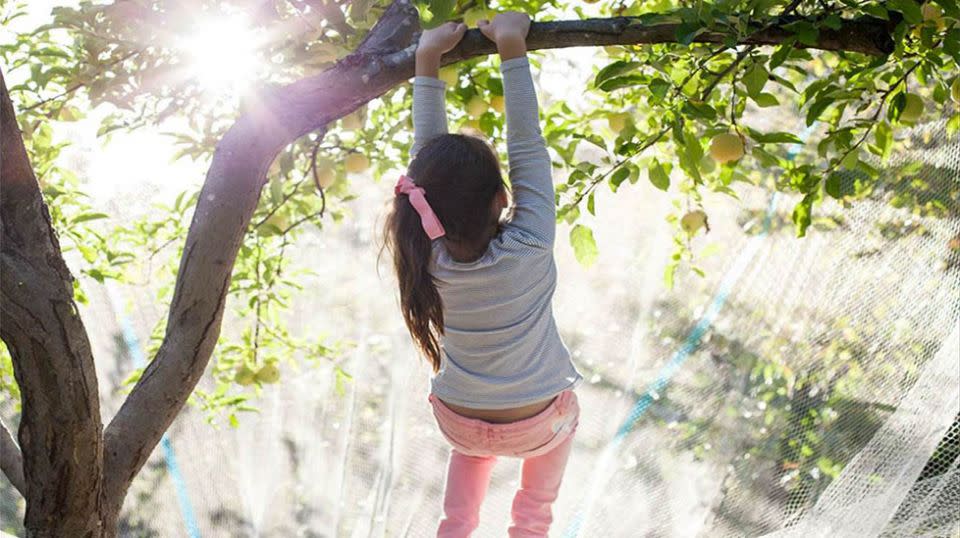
{"x":804,"y":387}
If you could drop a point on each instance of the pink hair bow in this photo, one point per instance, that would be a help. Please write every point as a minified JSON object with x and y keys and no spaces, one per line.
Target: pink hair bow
{"x":431,"y":224}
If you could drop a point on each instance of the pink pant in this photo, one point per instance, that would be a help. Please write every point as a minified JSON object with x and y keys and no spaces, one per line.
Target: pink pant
{"x":543,"y":441}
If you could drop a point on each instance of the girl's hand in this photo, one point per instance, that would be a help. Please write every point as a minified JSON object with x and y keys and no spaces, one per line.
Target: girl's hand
{"x":434,"y":43}
{"x":509,"y":31}
{"x":441,"y":39}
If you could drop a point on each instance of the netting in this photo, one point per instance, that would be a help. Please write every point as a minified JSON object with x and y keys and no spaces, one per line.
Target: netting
{"x":803,"y":387}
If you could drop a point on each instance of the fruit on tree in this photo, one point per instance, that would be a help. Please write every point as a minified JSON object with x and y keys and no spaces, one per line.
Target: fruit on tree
{"x":476,"y":106}
{"x":356,"y":163}
{"x":726,"y":147}
{"x":450,"y":75}
{"x":618,"y":121}
{"x":268,"y":373}
{"x":707,"y":164}
{"x":693,"y":221}
{"x":955,"y":90}
{"x":325,"y":173}
{"x":912,"y":108}
{"x":244,"y":375}
{"x":496,"y":103}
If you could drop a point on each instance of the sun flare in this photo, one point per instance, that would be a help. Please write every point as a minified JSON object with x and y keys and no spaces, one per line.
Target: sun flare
{"x":224,"y":55}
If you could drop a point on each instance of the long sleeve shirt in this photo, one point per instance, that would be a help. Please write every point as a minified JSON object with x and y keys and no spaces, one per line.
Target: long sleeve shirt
{"x":501,"y":347}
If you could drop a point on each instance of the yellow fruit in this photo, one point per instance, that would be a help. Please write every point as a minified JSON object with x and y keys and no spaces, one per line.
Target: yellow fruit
{"x":912,"y":109}
{"x":450,"y":75}
{"x":325,"y":176}
{"x":955,"y":90}
{"x":356,"y":163}
{"x":352,"y":122}
{"x":613,"y":50}
{"x":276,"y":222}
{"x":472,"y":124}
{"x":693,"y":221}
{"x":268,"y":373}
{"x":471,"y":17}
{"x":726,"y":147}
{"x":244,"y":376}
{"x":618,"y":121}
{"x":931,"y":12}
{"x":476,"y":106}
{"x":496,"y":103}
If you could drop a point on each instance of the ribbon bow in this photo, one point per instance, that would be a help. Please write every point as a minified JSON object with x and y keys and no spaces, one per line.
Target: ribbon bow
{"x":431,"y":224}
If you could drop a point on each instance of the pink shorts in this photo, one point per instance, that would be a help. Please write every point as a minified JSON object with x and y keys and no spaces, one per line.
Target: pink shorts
{"x":525,"y":438}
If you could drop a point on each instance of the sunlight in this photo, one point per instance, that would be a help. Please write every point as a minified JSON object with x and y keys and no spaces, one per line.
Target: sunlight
{"x":223,"y":55}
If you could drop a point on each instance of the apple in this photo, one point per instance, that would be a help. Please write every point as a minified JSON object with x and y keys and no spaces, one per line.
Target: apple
{"x":496,"y":103}
{"x":450,"y":75}
{"x":726,"y":147}
{"x":912,"y":109}
{"x":268,"y":373}
{"x":955,"y":90}
{"x":618,"y":121}
{"x":693,"y":221}
{"x":356,"y":163}
{"x":244,"y":376}
{"x":476,"y":106}
{"x":325,"y":174}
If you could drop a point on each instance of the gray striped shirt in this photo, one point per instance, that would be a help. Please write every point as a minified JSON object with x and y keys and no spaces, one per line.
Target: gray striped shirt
{"x":501,"y":347}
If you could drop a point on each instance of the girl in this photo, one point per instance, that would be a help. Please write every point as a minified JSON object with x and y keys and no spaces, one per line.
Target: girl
{"x":476,"y":292}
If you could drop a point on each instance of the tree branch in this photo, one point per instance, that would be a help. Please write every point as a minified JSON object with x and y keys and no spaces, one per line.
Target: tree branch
{"x":60,"y":428}
{"x":272,"y":120}
{"x":11,"y":462}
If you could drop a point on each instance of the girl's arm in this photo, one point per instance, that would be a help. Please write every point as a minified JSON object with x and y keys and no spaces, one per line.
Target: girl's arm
{"x":429,"y":107}
{"x":530,"y":170}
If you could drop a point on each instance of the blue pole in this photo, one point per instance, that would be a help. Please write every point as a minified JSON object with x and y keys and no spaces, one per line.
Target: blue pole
{"x":132,"y":343}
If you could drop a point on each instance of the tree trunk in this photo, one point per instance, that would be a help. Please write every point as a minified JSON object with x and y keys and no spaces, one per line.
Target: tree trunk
{"x":60,"y":429}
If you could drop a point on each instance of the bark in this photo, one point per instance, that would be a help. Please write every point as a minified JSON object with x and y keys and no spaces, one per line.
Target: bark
{"x":39,"y":323}
{"x":60,"y":429}
{"x":11,"y":460}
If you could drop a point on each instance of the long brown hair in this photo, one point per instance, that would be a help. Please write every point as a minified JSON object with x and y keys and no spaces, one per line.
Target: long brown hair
{"x":460,"y":176}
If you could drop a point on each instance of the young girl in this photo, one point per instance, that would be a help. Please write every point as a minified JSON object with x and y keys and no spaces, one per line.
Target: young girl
{"x":476,"y":292}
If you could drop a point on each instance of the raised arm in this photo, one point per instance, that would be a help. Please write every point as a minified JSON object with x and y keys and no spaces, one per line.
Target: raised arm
{"x":530,"y":169}
{"x":429,"y":105}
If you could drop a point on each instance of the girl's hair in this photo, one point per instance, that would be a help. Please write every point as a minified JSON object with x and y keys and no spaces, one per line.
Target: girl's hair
{"x":460,"y":175}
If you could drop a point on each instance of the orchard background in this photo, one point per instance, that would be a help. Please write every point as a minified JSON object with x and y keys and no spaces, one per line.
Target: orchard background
{"x":294,"y":108}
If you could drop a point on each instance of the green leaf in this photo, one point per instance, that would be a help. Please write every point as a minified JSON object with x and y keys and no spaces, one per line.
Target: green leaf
{"x":805,"y":31}
{"x":953,"y":125}
{"x":84,"y":217}
{"x":689,"y":31}
{"x":621,"y":82}
{"x":584,"y":245}
{"x":802,"y":213}
{"x":781,"y":54}
{"x":884,"y":138}
{"x":832,"y":185}
{"x":910,"y":10}
{"x":658,"y":175}
{"x":619,"y":177}
{"x":775,"y":138}
{"x":765,"y":100}
{"x":615,"y":70}
{"x":755,"y":79}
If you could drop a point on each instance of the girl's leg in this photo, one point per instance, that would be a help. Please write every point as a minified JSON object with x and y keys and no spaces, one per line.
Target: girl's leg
{"x":539,"y":483}
{"x":467,"y":481}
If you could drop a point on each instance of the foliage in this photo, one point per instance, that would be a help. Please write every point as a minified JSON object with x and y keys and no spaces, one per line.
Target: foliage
{"x":651,"y":112}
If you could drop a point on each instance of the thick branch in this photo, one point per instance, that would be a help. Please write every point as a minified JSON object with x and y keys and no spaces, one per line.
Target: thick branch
{"x":236,"y":176}
{"x":60,"y":428}
{"x":865,"y":35}
{"x":11,"y":462}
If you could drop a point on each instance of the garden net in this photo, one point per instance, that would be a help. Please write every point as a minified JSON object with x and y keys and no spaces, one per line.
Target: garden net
{"x":803,"y":387}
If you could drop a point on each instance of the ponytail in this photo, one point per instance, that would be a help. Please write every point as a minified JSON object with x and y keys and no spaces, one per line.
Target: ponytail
{"x":420,"y":300}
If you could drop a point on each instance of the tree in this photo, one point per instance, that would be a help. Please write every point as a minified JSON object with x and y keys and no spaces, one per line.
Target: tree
{"x":687,"y":75}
